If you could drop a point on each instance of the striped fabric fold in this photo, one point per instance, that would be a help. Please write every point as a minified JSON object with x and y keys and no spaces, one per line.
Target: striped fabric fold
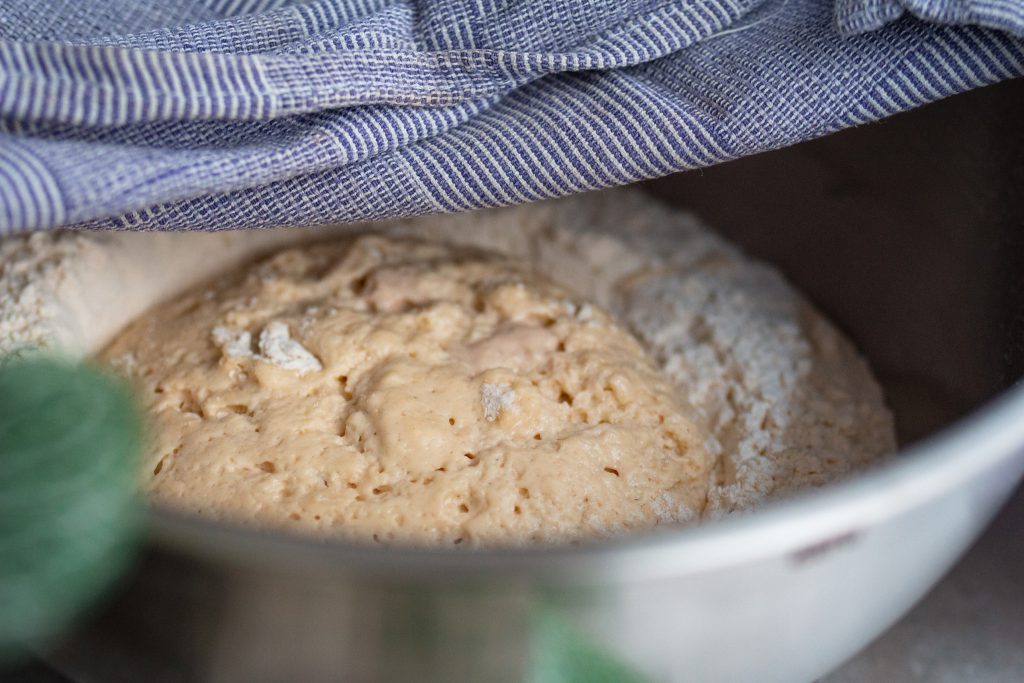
{"x":105,"y":85}
{"x":207,"y":114}
{"x":859,"y":16}
{"x":29,"y":194}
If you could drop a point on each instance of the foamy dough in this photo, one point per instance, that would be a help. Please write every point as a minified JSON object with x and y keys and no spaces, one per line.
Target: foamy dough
{"x":400,"y":391}
{"x":786,"y":404}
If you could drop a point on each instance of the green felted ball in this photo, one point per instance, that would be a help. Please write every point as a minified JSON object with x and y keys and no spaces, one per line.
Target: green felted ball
{"x":69,"y":442}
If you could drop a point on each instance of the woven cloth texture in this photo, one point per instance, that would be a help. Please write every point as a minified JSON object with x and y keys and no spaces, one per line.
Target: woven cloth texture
{"x":211,"y":114}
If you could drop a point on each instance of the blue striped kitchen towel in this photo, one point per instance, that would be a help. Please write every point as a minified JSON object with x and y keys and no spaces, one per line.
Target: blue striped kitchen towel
{"x":208,"y":114}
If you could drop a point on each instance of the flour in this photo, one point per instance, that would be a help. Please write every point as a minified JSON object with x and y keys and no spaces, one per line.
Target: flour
{"x":277,"y":347}
{"x":32,"y":269}
{"x":233,"y":343}
{"x":275,"y":344}
{"x":495,"y":398}
{"x":788,"y":402}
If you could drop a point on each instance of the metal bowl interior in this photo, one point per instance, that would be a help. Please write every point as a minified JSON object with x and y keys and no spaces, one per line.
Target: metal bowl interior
{"x":907,"y":234}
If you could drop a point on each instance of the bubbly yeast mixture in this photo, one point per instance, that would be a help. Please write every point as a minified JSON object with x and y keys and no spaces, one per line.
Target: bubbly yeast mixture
{"x":392,"y":390}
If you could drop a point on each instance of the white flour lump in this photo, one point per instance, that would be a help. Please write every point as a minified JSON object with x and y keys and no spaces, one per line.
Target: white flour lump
{"x":785,"y":402}
{"x":403,"y":391}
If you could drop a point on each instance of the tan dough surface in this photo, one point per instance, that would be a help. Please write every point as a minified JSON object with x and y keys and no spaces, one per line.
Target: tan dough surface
{"x":384,"y":389}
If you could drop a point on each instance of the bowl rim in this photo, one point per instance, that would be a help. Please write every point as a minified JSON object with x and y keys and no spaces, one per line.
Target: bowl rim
{"x":988,"y":437}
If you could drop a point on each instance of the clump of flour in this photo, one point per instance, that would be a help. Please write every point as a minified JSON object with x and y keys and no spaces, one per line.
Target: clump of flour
{"x":496,"y":398}
{"x":275,"y":346}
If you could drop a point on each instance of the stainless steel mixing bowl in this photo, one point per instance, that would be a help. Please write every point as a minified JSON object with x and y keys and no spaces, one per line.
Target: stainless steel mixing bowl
{"x":910,"y":234}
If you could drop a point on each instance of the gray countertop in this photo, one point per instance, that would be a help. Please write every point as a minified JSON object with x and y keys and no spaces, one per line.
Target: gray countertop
{"x":969,"y":628}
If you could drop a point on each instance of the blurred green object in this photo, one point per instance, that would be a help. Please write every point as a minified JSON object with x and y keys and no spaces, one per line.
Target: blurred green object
{"x":69,"y":439}
{"x":559,"y":653}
